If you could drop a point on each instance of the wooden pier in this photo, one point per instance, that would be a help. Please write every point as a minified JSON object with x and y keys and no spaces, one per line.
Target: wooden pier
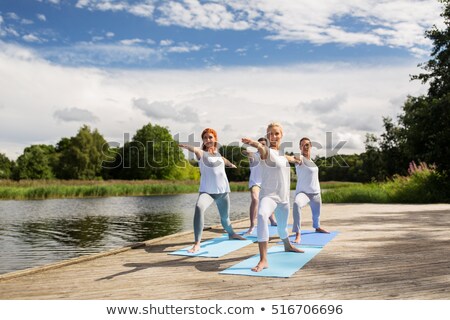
{"x":382,"y":252}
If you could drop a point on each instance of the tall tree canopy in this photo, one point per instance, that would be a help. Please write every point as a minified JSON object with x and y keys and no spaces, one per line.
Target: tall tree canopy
{"x":5,"y":167}
{"x":438,"y":67}
{"x":81,"y":157}
{"x":426,"y":119}
{"x":152,"y":154}
{"x":423,"y":131}
{"x":36,"y":162}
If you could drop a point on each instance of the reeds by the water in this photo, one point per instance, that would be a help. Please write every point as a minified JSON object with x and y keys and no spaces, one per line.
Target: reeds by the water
{"x":422,"y":185}
{"x":34,"y":190}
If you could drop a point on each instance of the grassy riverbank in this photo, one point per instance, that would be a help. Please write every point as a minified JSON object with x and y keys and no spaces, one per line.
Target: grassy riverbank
{"x":50,"y":189}
{"x":425,"y":186}
{"x":420,"y":187}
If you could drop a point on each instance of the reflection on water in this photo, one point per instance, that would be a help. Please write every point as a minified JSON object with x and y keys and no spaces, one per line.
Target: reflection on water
{"x":34,"y":233}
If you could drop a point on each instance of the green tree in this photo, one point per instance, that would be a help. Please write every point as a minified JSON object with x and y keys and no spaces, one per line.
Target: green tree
{"x":423,"y":131}
{"x":6,"y":166}
{"x":152,"y":154}
{"x":395,"y":160}
{"x":81,"y":157}
{"x":372,"y":163}
{"x":426,"y":118}
{"x":36,"y":162}
{"x":438,"y":67}
{"x":236,"y":156}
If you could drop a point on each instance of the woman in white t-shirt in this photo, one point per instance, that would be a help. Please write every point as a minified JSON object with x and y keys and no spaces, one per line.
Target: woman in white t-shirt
{"x":254,"y":185}
{"x":214,"y":186}
{"x":274,"y":195}
{"x":307,"y":190}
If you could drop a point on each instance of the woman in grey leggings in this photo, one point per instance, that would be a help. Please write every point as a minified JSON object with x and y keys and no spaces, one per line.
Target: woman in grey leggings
{"x":214,"y":186}
{"x":307,"y":190}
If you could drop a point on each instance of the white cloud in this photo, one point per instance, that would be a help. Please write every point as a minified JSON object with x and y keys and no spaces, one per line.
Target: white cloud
{"x":26,"y":21}
{"x":31,"y":38}
{"x":184,"y":48}
{"x":219,"y":48}
{"x":144,"y":8}
{"x":82,"y":3}
{"x":41,"y":17}
{"x":130,"y":42}
{"x":2,"y":32}
{"x":166,"y":42}
{"x":11,"y":31}
{"x":102,"y":54}
{"x":186,"y":101}
{"x":54,"y":1}
{"x":161,"y":110}
{"x":13,"y":16}
{"x":324,"y":105}
{"x":193,"y":14}
{"x":168,"y":45}
{"x":75,"y":114}
{"x":395,"y":23}
{"x":398,"y":23}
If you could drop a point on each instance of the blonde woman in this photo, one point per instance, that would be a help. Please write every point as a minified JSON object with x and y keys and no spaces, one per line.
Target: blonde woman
{"x":274,"y":195}
{"x":214,"y":186}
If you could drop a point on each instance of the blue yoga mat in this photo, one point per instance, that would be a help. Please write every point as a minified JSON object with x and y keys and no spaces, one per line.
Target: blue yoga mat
{"x":273,"y":231}
{"x":281,"y":264}
{"x":315,"y":239}
{"x":216,"y":247}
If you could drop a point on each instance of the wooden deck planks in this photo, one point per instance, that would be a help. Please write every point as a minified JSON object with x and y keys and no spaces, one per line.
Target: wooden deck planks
{"x":382,"y":252}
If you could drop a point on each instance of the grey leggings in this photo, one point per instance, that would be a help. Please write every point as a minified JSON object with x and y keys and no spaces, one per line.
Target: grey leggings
{"x":302,"y":199}
{"x":203,"y":202}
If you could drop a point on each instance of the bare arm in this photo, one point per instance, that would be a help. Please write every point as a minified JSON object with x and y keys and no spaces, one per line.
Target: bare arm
{"x":249,"y":155}
{"x":197,"y":151}
{"x":228,"y":163}
{"x":292,"y":159}
{"x":263,"y":150}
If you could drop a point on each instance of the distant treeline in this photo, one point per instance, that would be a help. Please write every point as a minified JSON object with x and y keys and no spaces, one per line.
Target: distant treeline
{"x":152,"y":153}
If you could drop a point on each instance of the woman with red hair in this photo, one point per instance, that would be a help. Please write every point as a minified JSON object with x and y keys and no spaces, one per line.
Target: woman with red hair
{"x":214,"y":186}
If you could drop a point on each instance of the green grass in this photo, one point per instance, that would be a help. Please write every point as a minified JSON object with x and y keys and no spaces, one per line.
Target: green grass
{"x":426,"y":186}
{"x":422,"y":186}
{"x":49,"y":189}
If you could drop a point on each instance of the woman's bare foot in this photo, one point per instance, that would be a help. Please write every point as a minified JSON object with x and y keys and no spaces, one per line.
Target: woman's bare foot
{"x":298,"y":238}
{"x":288,"y":247}
{"x":260,"y":266}
{"x":250,"y":230}
{"x":195,"y":248}
{"x":321,"y":230}
{"x":236,"y":236}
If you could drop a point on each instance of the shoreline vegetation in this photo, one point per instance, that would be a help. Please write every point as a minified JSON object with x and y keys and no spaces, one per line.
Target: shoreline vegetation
{"x":421,"y":186}
{"x":58,"y":189}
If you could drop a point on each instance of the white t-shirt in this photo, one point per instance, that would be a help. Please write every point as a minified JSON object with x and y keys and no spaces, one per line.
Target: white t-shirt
{"x":213,"y":178}
{"x":275,"y":177}
{"x":255,"y":170}
{"x":307,"y":177}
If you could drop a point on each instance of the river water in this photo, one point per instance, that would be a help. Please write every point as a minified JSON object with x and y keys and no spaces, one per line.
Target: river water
{"x":38,"y":232}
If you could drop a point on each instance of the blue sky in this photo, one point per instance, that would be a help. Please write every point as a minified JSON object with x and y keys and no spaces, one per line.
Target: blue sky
{"x":315,"y":66}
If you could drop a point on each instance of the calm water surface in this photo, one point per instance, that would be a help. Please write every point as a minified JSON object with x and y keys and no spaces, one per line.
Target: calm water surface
{"x":38,"y":232}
